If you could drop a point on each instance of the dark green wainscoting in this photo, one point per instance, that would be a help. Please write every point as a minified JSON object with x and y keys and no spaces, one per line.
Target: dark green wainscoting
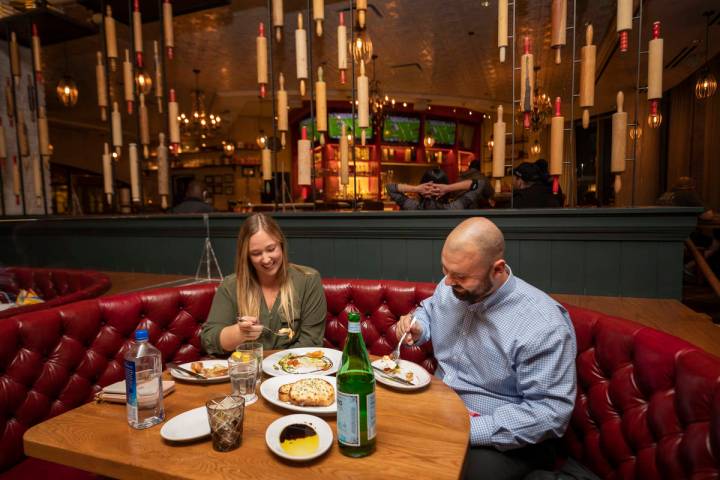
{"x":618,"y":252}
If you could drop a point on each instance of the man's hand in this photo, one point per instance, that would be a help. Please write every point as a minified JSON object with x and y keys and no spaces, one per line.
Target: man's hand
{"x":439,"y":189}
{"x":425,"y":189}
{"x":403,"y":325}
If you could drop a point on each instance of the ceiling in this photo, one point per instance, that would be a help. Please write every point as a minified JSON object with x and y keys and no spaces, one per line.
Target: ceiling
{"x":443,"y":53}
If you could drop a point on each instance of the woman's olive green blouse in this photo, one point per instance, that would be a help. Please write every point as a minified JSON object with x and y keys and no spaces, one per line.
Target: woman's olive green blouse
{"x":308,"y":302}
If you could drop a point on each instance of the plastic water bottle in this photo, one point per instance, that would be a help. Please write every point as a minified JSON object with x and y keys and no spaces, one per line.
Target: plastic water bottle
{"x":143,"y":383}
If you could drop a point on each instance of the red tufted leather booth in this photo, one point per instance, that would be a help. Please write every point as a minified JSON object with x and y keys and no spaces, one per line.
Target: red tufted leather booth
{"x":648,"y":404}
{"x":55,"y":286}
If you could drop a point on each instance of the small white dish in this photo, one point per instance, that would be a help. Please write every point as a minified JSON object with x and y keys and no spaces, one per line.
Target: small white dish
{"x":269,"y":391}
{"x":272,"y":367}
{"x":325,"y":434}
{"x":421,"y":377}
{"x":187,"y":426}
{"x":185,"y":377}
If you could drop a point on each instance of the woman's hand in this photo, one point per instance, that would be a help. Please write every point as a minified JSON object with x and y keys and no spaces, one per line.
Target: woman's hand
{"x":247,"y":329}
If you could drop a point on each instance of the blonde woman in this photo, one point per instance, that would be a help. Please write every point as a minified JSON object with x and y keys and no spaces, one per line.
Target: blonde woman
{"x":266,"y":294}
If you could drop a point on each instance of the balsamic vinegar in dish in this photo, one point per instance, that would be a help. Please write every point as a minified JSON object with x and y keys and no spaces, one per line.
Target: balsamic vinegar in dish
{"x":299,"y":440}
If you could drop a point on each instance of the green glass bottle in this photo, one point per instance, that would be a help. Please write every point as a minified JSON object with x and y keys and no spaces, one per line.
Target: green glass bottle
{"x":355,"y":395}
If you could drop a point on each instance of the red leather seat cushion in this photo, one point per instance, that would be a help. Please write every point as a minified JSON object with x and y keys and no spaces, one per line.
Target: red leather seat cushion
{"x":33,"y":468}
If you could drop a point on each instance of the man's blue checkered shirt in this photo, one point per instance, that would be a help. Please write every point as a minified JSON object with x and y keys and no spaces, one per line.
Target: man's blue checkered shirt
{"x":510,"y":357}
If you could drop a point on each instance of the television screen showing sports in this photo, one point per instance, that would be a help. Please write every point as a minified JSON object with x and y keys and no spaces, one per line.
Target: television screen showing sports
{"x":401,"y":129}
{"x":443,"y":132}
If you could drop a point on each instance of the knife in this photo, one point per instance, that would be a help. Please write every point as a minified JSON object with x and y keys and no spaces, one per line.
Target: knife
{"x":391,"y":377}
{"x":174,"y":366}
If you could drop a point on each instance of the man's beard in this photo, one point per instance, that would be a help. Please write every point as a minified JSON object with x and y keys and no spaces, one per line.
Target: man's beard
{"x":471,"y":297}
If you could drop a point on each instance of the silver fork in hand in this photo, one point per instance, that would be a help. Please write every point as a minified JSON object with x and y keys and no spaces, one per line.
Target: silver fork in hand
{"x":395,"y":355}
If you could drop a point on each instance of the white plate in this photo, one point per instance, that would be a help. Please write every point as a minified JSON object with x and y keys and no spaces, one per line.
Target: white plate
{"x":186,"y":377}
{"x":421,"y":377}
{"x":271,"y":367}
{"x":189,"y":425}
{"x":272,"y":435}
{"x":269,"y":391}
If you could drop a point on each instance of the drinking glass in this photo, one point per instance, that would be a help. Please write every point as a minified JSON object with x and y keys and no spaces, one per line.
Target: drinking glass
{"x":226,"y":415}
{"x":257,"y":350}
{"x":242,"y":369}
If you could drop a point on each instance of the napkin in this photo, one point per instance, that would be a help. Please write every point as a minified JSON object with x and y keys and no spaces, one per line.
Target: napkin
{"x":115,"y":392}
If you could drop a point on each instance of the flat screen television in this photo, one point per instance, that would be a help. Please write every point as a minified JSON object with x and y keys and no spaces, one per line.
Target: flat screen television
{"x":442,"y":131}
{"x":401,"y":129}
{"x":335,"y":122}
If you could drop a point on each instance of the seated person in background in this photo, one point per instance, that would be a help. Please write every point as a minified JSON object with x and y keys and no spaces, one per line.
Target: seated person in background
{"x":505,"y":347}
{"x":194,"y":201}
{"x":433,"y":192}
{"x":529,"y":189}
{"x":266,"y":294}
{"x":547,"y":179}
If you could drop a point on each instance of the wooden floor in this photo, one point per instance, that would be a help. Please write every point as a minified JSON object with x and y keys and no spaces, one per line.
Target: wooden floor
{"x":670,"y":316}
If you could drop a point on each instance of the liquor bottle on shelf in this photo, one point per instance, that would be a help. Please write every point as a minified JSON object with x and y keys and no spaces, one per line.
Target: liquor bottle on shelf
{"x":355,"y":395}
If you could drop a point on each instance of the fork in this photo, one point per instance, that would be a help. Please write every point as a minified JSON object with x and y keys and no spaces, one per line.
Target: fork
{"x":284,"y":334}
{"x":395,"y":355}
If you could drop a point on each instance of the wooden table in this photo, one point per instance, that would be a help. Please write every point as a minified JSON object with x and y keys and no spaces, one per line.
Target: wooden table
{"x":419,"y":435}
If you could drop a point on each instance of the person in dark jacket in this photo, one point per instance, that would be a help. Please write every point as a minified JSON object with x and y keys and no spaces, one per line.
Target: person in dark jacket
{"x":530,"y":190}
{"x":193,"y":202}
{"x":434,"y":193}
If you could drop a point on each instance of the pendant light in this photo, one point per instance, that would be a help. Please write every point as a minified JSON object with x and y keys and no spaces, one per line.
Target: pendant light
{"x":706,"y":84}
{"x":66,"y":89}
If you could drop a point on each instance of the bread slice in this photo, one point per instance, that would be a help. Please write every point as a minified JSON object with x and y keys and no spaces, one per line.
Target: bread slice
{"x":312,"y":392}
{"x":284,"y":392}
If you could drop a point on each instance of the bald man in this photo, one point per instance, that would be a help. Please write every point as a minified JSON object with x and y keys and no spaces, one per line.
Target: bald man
{"x":505,"y":347}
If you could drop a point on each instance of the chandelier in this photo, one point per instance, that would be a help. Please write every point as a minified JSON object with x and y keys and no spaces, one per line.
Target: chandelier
{"x":198,"y":126}
{"x":706,"y":84}
{"x":541,"y":110}
{"x":379,"y":103}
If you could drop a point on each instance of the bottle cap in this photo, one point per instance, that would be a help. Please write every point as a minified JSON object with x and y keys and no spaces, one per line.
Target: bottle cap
{"x":141,"y":335}
{"x":353,"y":317}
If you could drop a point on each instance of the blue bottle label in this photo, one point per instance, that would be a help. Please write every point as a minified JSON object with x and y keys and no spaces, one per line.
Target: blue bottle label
{"x":348,"y":418}
{"x":131,"y":390}
{"x":353,"y":327}
{"x":370,"y":399}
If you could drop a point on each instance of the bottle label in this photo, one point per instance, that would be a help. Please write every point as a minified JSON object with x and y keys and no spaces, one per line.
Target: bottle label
{"x":370,"y":399}
{"x":348,"y":418}
{"x":353,"y":327}
{"x":131,"y":390}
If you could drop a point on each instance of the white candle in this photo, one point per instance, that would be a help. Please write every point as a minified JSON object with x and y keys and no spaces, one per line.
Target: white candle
{"x":344,"y":156}
{"x":107,"y":174}
{"x":134,"y":172}
{"x":266,"y":164}
{"x":101,"y":86}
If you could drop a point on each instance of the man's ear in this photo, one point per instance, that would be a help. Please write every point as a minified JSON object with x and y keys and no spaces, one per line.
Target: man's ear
{"x":498,"y":266}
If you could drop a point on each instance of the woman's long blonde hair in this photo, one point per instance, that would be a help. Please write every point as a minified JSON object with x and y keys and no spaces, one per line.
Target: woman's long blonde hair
{"x":249,"y":292}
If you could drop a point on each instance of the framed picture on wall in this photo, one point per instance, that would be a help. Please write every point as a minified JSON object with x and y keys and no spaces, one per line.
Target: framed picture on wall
{"x":248,"y":171}
{"x":229,"y":190}
{"x":209,"y":179}
{"x":228,"y":178}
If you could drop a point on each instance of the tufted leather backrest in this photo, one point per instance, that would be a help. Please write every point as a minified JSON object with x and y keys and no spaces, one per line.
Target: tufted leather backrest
{"x":380,"y":304}
{"x":55,"y":286}
{"x":56,"y":359}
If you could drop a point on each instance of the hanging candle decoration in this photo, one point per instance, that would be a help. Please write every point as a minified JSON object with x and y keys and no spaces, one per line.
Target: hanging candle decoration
{"x":321,"y":105}
{"x":266,"y":164}
{"x":319,"y":16}
{"x":144,"y":126}
{"x":498,"y":152}
{"x":137,"y":33}
{"x":502,"y":28}
{"x":134,"y":173}
{"x":344,"y":158}
{"x":128,"y":82}
{"x":158,"y":77}
{"x":168,"y":29}
{"x":363,"y":98}
{"x":282,"y":110}
{"x":588,"y":54}
{"x":111,"y":39}
{"x":107,"y":174}
{"x":262,"y":60}
{"x":102,"y":96}
{"x":22,"y":135}
{"x":116,"y":121}
{"x":163,"y":172}
{"x":67,"y":91}
{"x":342,"y":48}
{"x":654,"y":82}
{"x":559,"y":27}
{"x":37,"y":179}
{"x":304,"y":158}
{"x":173,"y":122}
{"x":278,"y":18}
{"x":624,"y":23}
{"x":557,"y":143}
{"x":16,"y":180}
{"x":15,"y":67}
{"x":619,"y":142}
{"x":527,"y":82}
{"x":9,"y":102}
{"x":361,"y":6}
{"x":301,"y":63}
{"x":37,"y":54}
{"x":43,"y":132}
